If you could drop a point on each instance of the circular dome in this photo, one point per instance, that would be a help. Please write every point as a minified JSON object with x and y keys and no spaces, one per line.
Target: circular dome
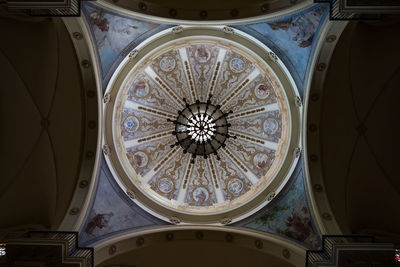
{"x":201,"y":126}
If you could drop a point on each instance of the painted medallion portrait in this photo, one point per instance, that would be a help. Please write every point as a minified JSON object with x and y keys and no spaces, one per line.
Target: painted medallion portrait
{"x":261,"y":160}
{"x":262,"y":91}
{"x":165,"y":185}
{"x":202,"y":54}
{"x":167,"y":64}
{"x":200,"y":194}
{"x":140,"y":88}
{"x":140,"y":159}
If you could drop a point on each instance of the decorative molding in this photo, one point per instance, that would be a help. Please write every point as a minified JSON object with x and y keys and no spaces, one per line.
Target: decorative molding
{"x":106,"y":149}
{"x":298,"y":101}
{"x":286,"y":253}
{"x":273,"y":56}
{"x":351,"y":250}
{"x":112,"y":249}
{"x":107,"y":98}
{"x":228,"y":30}
{"x":177,"y":29}
{"x":226,"y":220}
{"x":131,"y":194}
{"x":74,"y":211}
{"x":347,"y":10}
{"x":66,"y":8}
{"x":175,"y":220}
{"x":133,"y":54}
{"x":297,"y":152}
{"x":46,"y":248}
{"x":271,"y":196}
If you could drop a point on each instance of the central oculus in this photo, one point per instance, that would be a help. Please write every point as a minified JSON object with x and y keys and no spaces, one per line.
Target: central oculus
{"x":201,"y":128}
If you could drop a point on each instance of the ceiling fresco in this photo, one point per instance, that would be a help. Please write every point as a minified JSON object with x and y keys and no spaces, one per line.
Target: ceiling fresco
{"x":240,"y":161}
{"x":104,"y":219}
{"x":292,"y":38}
{"x":114,"y":34}
{"x":288,"y":215}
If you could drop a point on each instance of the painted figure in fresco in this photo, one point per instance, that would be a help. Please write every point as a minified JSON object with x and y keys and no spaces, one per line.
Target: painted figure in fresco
{"x":299,"y":227}
{"x":100,"y":221}
{"x":98,"y":19}
{"x":201,"y":197}
{"x":140,"y":88}
{"x":301,"y":28}
{"x":138,"y":160}
{"x":202,"y":54}
{"x":110,"y":31}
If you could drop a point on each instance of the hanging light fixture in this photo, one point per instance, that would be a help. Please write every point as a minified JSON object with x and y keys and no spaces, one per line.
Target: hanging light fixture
{"x":201,"y":128}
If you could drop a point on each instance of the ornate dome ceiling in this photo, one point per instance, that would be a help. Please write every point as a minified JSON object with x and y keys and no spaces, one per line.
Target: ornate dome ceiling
{"x":201,"y":125}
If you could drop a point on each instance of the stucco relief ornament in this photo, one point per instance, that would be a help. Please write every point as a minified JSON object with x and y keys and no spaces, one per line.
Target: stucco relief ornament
{"x":107,"y":98}
{"x":228,"y":30}
{"x":133,"y":54}
{"x":177,"y":29}
{"x":298,"y":101}
{"x":175,"y":220}
{"x":297,"y":152}
{"x":106,"y":150}
{"x":273,"y":56}
{"x":271,"y":196}
{"x":131,"y":194}
{"x":225,"y":221}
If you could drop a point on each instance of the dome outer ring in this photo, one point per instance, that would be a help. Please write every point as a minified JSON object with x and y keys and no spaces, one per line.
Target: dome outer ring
{"x":255,"y":203}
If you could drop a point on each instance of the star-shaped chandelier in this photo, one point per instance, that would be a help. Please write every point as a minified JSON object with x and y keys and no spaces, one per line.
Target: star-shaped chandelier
{"x":201,"y":128}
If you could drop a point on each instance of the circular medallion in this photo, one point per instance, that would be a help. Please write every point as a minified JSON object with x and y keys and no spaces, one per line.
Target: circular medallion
{"x":140,"y":159}
{"x":202,"y":54}
{"x":167,"y":64}
{"x":236,"y":65}
{"x":262,"y":91}
{"x":271,"y":126}
{"x":131,"y":124}
{"x":165,"y":185}
{"x":200,"y":194}
{"x":261,"y":160}
{"x":140,"y":88}
{"x":235,"y":186}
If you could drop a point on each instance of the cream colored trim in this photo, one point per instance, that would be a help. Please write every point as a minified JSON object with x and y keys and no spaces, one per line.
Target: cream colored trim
{"x":250,"y":205}
{"x":320,"y":207}
{"x":288,"y":11}
{"x":80,"y":204}
{"x":273,"y":245}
